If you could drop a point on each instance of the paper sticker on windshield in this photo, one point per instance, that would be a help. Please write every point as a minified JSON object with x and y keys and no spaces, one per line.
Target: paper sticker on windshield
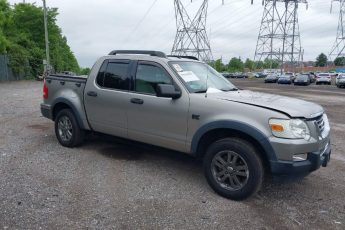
{"x":188,"y":76}
{"x":178,"y":67}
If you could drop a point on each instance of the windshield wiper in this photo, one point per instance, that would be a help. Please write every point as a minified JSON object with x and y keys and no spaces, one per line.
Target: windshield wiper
{"x":228,"y":90}
{"x":201,"y":91}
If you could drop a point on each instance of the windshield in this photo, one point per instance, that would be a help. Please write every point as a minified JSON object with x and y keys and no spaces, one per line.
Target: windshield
{"x":302,"y":77}
{"x":198,"y":77}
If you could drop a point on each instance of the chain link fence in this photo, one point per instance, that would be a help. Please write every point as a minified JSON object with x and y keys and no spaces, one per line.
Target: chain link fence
{"x":6,"y":73}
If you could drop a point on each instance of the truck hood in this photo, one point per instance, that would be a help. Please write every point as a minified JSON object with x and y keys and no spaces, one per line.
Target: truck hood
{"x":287,"y":105}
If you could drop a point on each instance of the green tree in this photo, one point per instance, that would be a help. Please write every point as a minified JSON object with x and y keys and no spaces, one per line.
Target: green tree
{"x":321,"y":60}
{"x":249,"y":64}
{"x":259,"y":64}
{"x":22,"y":38}
{"x":219,"y":66}
{"x":85,"y":71}
{"x":235,"y":64}
{"x":4,"y":11}
{"x":339,"y":61}
{"x":270,"y":63}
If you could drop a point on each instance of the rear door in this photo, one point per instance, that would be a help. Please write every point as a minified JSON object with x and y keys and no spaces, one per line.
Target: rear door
{"x":105,"y":98}
{"x":156,"y":120}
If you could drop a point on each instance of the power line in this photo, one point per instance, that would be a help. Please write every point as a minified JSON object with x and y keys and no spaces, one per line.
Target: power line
{"x":141,"y":20}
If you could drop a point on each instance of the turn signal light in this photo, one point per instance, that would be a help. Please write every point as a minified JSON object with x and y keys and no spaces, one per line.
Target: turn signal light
{"x":45,"y":90}
{"x":277,"y":128}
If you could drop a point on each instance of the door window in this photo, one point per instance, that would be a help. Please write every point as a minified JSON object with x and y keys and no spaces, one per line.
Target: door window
{"x":149,"y":76}
{"x":115,"y":76}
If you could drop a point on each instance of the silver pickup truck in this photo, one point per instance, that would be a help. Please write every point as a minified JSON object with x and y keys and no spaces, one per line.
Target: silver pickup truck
{"x":183,"y":104}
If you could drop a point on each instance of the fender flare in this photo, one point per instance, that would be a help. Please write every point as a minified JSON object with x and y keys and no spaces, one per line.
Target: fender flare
{"x":71,"y":105}
{"x":236,"y":126}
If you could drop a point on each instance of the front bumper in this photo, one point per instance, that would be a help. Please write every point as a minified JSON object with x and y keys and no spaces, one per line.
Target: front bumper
{"x":301,"y":83}
{"x":46,"y":111}
{"x":284,"y":82}
{"x":313,"y":162}
{"x":323,"y":81}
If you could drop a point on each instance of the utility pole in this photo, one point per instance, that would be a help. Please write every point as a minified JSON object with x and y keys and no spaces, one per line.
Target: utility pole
{"x":46,"y":36}
{"x":191,"y":37}
{"x":279,"y":37}
{"x":339,"y":45}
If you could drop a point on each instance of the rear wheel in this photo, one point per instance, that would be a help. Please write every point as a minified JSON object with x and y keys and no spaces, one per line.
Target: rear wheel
{"x":233,"y":168}
{"x":67,"y":129}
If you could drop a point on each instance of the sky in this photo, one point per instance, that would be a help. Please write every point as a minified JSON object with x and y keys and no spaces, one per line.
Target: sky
{"x":94,"y":28}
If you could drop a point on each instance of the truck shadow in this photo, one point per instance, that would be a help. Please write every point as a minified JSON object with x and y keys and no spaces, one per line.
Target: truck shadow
{"x":120,"y":149}
{"x":274,"y":190}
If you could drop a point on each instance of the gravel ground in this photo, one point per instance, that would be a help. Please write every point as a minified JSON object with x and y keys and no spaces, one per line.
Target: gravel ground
{"x":105,"y":184}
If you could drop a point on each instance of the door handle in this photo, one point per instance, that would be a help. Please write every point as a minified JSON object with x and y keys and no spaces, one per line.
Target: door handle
{"x":92,"y":94}
{"x":137,"y":101}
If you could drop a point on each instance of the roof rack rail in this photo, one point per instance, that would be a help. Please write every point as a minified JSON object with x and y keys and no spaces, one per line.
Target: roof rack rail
{"x":147,"y":52}
{"x":188,"y":57}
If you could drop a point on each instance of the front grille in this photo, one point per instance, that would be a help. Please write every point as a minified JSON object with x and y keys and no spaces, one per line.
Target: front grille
{"x":320,"y":123}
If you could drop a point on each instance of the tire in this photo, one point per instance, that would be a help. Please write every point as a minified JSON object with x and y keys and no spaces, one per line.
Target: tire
{"x":67,"y":129}
{"x":249,"y":176}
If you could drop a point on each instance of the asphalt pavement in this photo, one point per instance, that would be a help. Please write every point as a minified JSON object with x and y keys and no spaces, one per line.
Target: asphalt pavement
{"x":106,"y":184}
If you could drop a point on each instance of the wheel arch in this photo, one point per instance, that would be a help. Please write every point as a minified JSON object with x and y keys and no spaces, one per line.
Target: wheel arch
{"x":62,"y":103}
{"x":222,"y":129}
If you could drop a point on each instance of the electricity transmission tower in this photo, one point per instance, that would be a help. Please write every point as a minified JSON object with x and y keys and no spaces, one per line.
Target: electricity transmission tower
{"x":191,"y":37}
{"x":339,"y":45}
{"x":279,"y":37}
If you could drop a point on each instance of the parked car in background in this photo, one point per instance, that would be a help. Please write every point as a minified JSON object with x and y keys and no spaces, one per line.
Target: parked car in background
{"x":302,"y":79}
{"x":231,"y":75}
{"x":68,"y":73}
{"x":260,"y":75}
{"x":292,"y":76}
{"x":285,"y":79}
{"x":323,"y":78}
{"x":340,"y":80}
{"x":333,"y":74}
{"x":312,"y":76}
{"x":272,"y":78}
{"x":225,"y":74}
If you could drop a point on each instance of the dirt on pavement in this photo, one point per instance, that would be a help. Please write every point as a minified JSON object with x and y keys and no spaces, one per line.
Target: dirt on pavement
{"x":106,"y":184}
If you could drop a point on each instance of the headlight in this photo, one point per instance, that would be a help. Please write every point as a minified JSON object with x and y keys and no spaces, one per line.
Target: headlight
{"x":327,"y":127}
{"x":290,"y":129}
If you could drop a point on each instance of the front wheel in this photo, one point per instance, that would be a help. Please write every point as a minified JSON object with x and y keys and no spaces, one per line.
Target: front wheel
{"x":67,"y":129}
{"x":233,"y":169}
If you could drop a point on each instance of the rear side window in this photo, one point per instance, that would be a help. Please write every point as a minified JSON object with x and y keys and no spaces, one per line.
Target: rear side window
{"x":149,"y":76}
{"x":115,"y":76}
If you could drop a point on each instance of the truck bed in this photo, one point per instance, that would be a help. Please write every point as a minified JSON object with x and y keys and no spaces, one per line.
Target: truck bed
{"x":69,"y":78}
{"x":68,"y":90}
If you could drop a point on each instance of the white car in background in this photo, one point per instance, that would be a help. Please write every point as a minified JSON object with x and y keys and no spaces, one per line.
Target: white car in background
{"x":323,"y":78}
{"x":340,"y":80}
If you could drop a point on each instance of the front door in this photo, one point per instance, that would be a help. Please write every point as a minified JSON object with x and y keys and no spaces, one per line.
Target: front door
{"x":156,"y":120}
{"x":105,"y":98}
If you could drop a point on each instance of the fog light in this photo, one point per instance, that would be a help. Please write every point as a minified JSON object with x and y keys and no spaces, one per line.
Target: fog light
{"x":300,"y":157}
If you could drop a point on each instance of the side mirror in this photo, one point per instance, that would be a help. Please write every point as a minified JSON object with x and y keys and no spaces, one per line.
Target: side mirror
{"x":169,"y":91}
